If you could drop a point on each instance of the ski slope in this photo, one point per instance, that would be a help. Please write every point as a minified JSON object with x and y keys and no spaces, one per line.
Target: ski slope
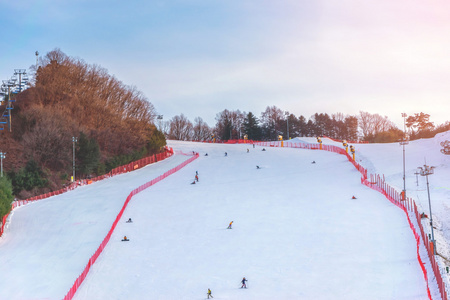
{"x":297,"y":232}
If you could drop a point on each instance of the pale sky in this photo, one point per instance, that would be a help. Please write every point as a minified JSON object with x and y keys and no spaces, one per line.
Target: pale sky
{"x":200,"y":57}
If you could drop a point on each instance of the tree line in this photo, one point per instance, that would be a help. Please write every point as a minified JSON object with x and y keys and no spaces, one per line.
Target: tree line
{"x":274,"y":121}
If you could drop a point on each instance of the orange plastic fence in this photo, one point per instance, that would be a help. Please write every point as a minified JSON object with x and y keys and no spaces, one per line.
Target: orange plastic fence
{"x":119,"y":170}
{"x":105,"y":241}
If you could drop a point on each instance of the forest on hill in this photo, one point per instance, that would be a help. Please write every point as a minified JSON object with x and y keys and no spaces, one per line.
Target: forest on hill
{"x":72,"y":104}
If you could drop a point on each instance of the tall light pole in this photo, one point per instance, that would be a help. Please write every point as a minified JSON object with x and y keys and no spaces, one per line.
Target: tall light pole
{"x":74,"y":140}
{"x":2,"y":156}
{"x":160,"y":120}
{"x":37,"y":56}
{"x":425,"y":171}
{"x":287,"y":123}
{"x":404,"y":142}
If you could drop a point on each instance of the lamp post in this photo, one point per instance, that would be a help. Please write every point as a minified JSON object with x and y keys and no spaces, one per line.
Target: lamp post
{"x":425,"y":171}
{"x":417,"y":178}
{"x":2,"y":156}
{"x":37,"y":56}
{"x":160,"y":120}
{"x":287,"y":123}
{"x":404,"y":142}
{"x":74,"y":140}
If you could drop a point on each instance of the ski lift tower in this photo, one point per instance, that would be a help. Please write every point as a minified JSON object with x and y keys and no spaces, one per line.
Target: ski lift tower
{"x":23,"y":79}
{"x":7,"y":86}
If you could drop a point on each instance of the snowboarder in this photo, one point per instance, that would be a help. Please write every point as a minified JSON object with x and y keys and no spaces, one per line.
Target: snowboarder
{"x":243,"y":283}
{"x":209,"y":294}
{"x":229,"y":226}
{"x":125,"y":239}
{"x":129,"y":220}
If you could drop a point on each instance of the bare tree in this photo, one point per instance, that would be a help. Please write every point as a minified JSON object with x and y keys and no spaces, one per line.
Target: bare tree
{"x":201,"y":130}
{"x":373,"y":124}
{"x":272,"y":122}
{"x":180,"y":128}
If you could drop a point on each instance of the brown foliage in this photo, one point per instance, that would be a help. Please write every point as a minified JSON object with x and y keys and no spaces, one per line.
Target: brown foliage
{"x":70,"y":96}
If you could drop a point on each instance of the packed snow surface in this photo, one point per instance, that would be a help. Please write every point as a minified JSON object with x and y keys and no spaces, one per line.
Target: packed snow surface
{"x":297,"y":232}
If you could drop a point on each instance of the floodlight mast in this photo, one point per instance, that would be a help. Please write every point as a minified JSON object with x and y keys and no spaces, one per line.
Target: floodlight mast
{"x":404,"y":142}
{"x":425,"y":171}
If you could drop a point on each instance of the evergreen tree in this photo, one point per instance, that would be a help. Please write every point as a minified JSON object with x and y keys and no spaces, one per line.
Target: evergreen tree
{"x":87,"y":154}
{"x":6,"y":196}
{"x":157,"y":141}
{"x":421,"y":123}
{"x":27,"y":178}
{"x":251,"y":127}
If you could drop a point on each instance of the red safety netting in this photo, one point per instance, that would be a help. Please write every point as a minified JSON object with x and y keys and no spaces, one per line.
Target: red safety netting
{"x":119,"y":170}
{"x":105,"y":241}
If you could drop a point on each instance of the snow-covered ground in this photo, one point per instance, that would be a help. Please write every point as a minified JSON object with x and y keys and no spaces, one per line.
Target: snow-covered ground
{"x":297,"y":232}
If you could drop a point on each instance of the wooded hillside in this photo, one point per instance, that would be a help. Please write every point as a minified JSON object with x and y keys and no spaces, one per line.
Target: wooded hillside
{"x":113,"y":124}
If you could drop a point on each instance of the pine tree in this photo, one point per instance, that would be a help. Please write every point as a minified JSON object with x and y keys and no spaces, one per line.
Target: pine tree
{"x":6,"y":196}
{"x":87,"y":154}
{"x":251,"y":127}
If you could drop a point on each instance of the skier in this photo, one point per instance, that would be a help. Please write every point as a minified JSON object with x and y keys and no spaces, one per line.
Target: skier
{"x":313,"y":162}
{"x":243,"y":283}
{"x":353,"y":197}
{"x":258,"y":167}
{"x":253,"y":145}
{"x":129,"y":220}
{"x":264,"y":149}
{"x":226,"y":154}
{"x":229,"y":226}
{"x":209,"y":294}
{"x":196,"y":178}
{"x":206,"y":154}
{"x":125,"y":239}
{"x":248,"y":151}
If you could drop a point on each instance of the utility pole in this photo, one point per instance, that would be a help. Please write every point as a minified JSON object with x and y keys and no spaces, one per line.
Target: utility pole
{"x":287,"y":123}
{"x":2,"y":156}
{"x":425,"y":171}
{"x":74,"y":140}
{"x":404,"y":142}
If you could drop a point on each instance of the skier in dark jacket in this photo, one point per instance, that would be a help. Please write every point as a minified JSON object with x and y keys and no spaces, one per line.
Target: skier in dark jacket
{"x":243,"y":283}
